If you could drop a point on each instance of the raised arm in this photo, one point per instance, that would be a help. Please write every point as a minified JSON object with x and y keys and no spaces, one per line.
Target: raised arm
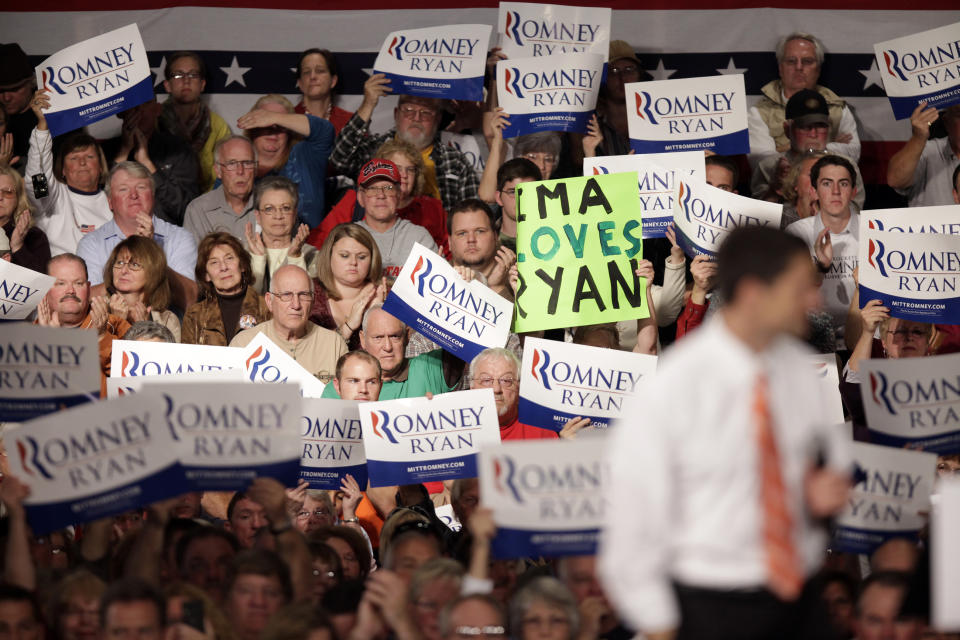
{"x":494,"y":123}
{"x":291,"y":545}
{"x":647,"y":330}
{"x":18,"y":561}
{"x":903,"y":164}
{"x":872,"y":314}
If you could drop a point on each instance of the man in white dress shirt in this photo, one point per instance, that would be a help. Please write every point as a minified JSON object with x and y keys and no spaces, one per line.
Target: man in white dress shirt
{"x":729,"y":465}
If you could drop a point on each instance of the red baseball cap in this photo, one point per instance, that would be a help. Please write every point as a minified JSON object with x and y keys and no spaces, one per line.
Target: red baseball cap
{"x":377,"y":169}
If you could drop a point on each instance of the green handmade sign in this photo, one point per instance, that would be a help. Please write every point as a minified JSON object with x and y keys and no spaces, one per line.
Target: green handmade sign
{"x":578,"y":243}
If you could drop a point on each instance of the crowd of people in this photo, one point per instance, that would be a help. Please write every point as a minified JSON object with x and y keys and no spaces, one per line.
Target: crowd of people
{"x":295,"y":220}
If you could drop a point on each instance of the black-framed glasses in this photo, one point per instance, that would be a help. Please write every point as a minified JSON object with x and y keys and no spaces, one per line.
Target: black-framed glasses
{"x":189,"y":75}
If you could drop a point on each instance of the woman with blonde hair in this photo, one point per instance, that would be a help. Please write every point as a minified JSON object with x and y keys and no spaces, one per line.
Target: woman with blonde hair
{"x":29,"y":247}
{"x":348,"y":281}
{"x":135,"y":277}
{"x":292,"y":145}
{"x":412,"y":204}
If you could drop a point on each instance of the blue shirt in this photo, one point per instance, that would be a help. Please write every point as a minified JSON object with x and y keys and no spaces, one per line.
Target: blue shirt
{"x":307,"y":167}
{"x":178,"y":244}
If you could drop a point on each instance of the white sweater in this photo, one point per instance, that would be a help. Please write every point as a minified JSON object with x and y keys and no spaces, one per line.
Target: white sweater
{"x":65,"y":214}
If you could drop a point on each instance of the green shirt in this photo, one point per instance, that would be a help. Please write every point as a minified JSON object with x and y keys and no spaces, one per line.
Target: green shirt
{"x":424,"y":373}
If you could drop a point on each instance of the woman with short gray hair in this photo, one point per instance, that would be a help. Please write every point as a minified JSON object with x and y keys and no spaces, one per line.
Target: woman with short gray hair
{"x":544,"y":609}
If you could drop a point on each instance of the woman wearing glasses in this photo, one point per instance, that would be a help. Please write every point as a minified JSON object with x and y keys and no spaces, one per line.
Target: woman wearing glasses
{"x":294,"y":146}
{"x":229,"y":302}
{"x":412,"y":203}
{"x":28,"y":244}
{"x":281,"y":240}
{"x":136,"y":281}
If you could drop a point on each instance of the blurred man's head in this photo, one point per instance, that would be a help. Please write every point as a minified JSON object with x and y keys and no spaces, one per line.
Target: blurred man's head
{"x":203,"y":558}
{"x":245,"y":518}
{"x":878,"y":609}
{"x":131,"y":608}
{"x":20,"y":617}
{"x":257,"y":586}
{"x":767,"y":276}
{"x":473,"y":616}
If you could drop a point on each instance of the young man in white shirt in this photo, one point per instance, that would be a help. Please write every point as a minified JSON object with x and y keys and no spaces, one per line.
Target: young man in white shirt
{"x":722,"y":464}
{"x":833,"y":236}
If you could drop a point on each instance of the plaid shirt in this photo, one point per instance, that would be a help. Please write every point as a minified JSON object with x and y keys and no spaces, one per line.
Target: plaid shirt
{"x":355,"y":146}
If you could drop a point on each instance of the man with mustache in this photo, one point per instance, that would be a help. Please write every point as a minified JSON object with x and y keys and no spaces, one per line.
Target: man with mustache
{"x":68,"y":304}
{"x":449,"y":175}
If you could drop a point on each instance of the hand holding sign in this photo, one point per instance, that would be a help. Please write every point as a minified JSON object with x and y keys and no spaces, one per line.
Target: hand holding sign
{"x":39,"y":104}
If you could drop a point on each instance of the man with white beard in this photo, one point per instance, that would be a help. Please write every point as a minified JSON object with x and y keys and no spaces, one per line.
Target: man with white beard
{"x":448,"y":175}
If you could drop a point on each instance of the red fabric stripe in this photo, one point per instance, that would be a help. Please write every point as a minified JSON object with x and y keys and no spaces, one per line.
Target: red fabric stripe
{"x":350,"y":5}
{"x":874,"y":157}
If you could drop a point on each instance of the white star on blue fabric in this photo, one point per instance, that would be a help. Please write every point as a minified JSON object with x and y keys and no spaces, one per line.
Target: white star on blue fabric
{"x":235,"y":73}
{"x":731,"y":69}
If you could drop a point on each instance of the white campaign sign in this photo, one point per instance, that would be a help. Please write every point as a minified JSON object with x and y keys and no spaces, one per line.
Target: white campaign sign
{"x":704,"y":215}
{"x":558,"y":93}
{"x":688,"y":114}
{"x":331,"y":443}
{"x":117,"y":387}
{"x":559,"y":381}
{"x":95,"y":461}
{"x":436,"y":62}
{"x":417,"y":440}
{"x":913,"y":401}
{"x":263,"y":361}
{"x":95,"y":79}
{"x":890,"y":489}
{"x":533,"y":30}
{"x":45,"y":369}
{"x":462,"y":317}
{"x":656,"y":175}
{"x":548,"y":497}
{"x":943,"y":219}
{"x":916,"y":275}
{"x":21,"y":290}
{"x":923,"y":67}
{"x":825,"y":366}
{"x":227,"y":434}
{"x":135,"y":358}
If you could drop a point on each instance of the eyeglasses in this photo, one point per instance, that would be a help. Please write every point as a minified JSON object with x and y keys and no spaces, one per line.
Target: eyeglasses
{"x":793,"y":62}
{"x":320,"y":513}
{"x":412,"y":113}
{"x":545,"y":158}
{"x":488,"y":630}
{"x":130,"y":264}
{"x":506,"y":382}
{"x":277,"y":212}
{"x":908,"y":333}
{"x":180,"y":75}
{"x":235,"y":165}
{"x":287,"y":296}
{"x":8,"y":193}
{"x":623,"y":71}
{"x":384,"y":191}
{"x":511,"y":192}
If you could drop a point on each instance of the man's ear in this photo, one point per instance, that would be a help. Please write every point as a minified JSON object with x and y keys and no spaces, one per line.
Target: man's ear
{"x":336,"y":386}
